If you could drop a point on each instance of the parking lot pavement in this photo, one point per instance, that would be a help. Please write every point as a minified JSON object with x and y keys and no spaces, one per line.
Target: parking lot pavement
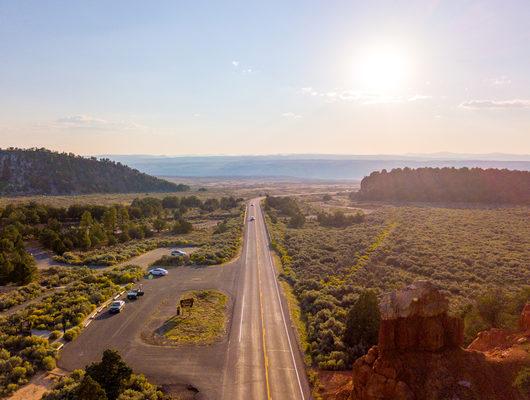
{"x":199,"y":366}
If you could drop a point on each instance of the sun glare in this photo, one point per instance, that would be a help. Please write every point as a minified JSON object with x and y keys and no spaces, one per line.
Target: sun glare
{"x":382,"y":68}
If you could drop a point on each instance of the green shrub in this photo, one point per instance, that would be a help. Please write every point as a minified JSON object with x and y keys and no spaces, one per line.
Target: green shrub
{"x":72,"y":333}
{"x":48,"y":363}
{"x":55,"y":335}
{"x":522,"y":381}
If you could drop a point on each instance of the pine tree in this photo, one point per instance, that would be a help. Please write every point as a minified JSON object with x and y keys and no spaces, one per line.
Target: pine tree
{"x":89,"y":389}
{"x":362,"y":324}
{"x":111,"y":373}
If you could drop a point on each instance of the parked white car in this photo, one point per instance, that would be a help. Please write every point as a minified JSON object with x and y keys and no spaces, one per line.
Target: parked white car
{"x":178,"y":253}
{"x":158,"y":272}
{"x":116,"y":306}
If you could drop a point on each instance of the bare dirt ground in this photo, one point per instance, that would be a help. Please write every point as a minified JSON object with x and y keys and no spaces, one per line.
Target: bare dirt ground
{"x":251,"y":187}
{"x":37,"y":386}
{"x":43,"y":258}
{"x":337,"y":385}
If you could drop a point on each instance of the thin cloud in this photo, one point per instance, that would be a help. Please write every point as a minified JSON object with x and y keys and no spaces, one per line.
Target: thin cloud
{"x":496,"y":104}
{"x":242,"y":68}
{"x":291,"y":115}
{"x":500,"y":81}
{"x":418,"y":97}
{"x":361,"y":97}
{"x":93,"y":123}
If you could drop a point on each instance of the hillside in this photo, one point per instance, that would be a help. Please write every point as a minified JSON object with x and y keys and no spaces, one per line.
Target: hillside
{"x":473,"y":185}
{"x":41,"y":171}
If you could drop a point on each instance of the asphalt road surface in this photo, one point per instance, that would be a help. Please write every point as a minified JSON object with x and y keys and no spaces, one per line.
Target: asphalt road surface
{"x":257,"y":359}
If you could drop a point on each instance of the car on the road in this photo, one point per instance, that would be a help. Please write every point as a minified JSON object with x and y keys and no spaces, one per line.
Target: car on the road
{"x":134,"y":294}
{"x":252,"y":205}
{"x":178,"y":253}
{"x":252,"y":218}
{"x":158,"y":272}
{"x":116,"y":306}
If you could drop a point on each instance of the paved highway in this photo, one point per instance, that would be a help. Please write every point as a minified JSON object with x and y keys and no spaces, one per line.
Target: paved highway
{"x":258,"y":358}
{"x":263,"y":358}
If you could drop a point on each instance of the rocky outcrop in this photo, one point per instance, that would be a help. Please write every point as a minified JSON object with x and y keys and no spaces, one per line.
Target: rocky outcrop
{"x":415,"y":318}
{"x":419,"y":354}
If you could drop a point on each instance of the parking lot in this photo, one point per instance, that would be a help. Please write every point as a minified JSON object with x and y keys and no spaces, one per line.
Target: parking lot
{"x":129,"y":332}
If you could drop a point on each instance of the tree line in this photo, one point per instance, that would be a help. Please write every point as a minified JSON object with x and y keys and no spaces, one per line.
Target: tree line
{"x":469,"y":185}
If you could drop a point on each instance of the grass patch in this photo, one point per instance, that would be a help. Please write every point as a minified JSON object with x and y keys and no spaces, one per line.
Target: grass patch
{"x":203,"y":324}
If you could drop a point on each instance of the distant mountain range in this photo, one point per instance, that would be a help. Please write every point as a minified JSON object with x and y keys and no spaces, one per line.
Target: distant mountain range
{"x":311,"y":166}
{"x":44,"y":172}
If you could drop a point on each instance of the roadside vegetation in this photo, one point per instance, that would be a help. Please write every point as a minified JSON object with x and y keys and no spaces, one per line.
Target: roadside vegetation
{"x":109,"y":379}
{"x":469,"y":252}
{"x":204,"y":323}
{"x":60,"y":313}
{"x":49,"y":278}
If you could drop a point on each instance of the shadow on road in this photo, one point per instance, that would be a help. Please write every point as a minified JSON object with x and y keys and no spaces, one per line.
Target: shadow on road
{"x":105,"y":315}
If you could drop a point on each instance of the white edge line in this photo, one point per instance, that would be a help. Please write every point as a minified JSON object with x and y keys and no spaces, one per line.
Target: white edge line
{"x":283,"y":314}
{"x":241,"y":320}
{"x":247,"y":234}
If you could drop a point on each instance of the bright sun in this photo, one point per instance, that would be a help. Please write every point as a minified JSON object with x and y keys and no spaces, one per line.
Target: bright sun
{"x":382,"y":68}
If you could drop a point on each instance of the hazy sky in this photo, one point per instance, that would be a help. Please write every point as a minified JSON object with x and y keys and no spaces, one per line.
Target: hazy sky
{"x":249,"y":77}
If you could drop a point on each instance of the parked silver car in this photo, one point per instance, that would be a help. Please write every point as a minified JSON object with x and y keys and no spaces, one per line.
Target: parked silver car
{"x":116,"y":306}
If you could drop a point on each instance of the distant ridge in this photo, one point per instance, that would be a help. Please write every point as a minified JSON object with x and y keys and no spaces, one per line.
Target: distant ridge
{"x":44,"y":172}
{"x":312,"y":166}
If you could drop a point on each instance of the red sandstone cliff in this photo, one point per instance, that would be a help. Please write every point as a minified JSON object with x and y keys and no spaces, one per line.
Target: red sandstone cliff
{"x":419,"y":355}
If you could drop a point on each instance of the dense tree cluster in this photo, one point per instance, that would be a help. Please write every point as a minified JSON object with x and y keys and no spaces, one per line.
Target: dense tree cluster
{"x":470,"y":185}
{"x":65,"y":230}
{"x":338,"y":219}
{"x":41,"y":171}
{"x":468,"y":252}
{"x":109,"y":379}
{"x":16,"y":265}
{"x":286,"y":206}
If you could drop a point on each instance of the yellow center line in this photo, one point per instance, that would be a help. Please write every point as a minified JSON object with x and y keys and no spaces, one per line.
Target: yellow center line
{"x":264,"y":345}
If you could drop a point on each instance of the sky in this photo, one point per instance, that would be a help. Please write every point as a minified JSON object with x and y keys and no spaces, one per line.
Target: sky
{"x":255,"y":77}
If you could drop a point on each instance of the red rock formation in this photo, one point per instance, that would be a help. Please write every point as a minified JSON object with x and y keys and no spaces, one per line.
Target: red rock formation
{"x":415,"y":318}
{"x":419,"y":355}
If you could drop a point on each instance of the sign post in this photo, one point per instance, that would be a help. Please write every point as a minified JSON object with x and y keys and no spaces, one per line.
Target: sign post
{"x":186,"y":303}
